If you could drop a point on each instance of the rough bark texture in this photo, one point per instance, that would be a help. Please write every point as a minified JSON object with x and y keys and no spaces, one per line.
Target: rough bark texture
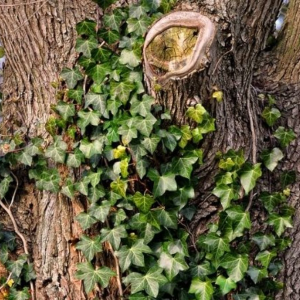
{"x":39,"y":41}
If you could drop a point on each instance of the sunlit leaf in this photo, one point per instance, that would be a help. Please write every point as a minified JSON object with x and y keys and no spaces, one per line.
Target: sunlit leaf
{"x":203,"y":290}
{"x":271,"y":158}
{"x":284,"y":136}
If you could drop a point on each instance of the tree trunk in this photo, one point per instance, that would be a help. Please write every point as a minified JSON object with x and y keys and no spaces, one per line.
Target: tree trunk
{"x":39,"y":41}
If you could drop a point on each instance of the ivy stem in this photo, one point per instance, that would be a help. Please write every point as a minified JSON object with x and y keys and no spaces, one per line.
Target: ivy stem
{"x":16,"y":229}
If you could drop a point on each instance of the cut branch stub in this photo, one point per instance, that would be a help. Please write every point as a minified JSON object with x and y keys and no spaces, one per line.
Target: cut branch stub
{"x":177,"y":45}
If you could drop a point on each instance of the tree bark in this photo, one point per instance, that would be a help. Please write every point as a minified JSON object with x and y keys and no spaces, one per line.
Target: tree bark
{"x":39,"y":42}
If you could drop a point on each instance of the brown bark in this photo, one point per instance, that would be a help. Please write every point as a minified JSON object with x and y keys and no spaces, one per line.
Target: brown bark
{"x":39,"y":41}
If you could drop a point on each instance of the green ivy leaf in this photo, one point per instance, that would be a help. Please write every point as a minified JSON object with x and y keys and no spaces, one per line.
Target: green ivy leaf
{"x":265,"y":257}
{"x":138,"y":27}
{"x":186,"y":136}
{"x":114,"y":235}
{"x":196,"y":113}
{"x":143,"y":202}
{"x":249,"y":175}
{"x":121,"y":90}
{"x":99,"y":72}
{"x":88,"y":118}
{"x":162,"y":183}
{"x":240,"y":219}
{"x":271,"y":115}
{"x":225,"y":284}
{"x":215,"y":244}
{"x":57,"y":151}
{"x":149,"y":282}
{"x":28,"y":272}
{"x":271,"y":201}
{"x":287,"y":178}
{"x":128,"y":131}
{"x":203,"y":270}
{"x":119,"y":186}
{"x":182,"y":196}
{"x":16,"y":266}
{"x":137,"y":11}
{"x":226,"y":193}
{"x":65,"y":110}
{"x":285,"y":137}
{"x":101,"y":55}
{"x":109,"y":36}
{"x":76,"y":94}
{"x":90,"y":276}
{"x":4,"y":186}
{"x":75,"y":159}
{"x":85,"y":220}
{"x":98,"y":102}
{"x":82,"y":186}
{"x":184,"y":165}
{"x":132,"y":255}
{"x":89,"y":149}
{"x":169,"y":140}
{"x":25,"y":158}
{"x":151,"y":143}
{"x":235,"y":265}
{"x":172,"y":264}
{"x":271,"y":158}
{"x":68,"y":189}
{"x":19,"y":295}
{"x":132,"y":58}
{"x":95,"y":193}
{"x":145,"y":125}
{"x":257,"y":274}
{"x":71,"y":76}
{"x":86,"y":46}
{"x":114,"y":20}
{"x":280,"y":223}
{"x":86,"y":27}
{"x":168,"y":219}
{"x":141,"y":167}
{"x":263,"y":241}
{"x":203,"y":290}
{"x":100,"y":212}
{"x":89,"y":246}
{"x":141,"y":107}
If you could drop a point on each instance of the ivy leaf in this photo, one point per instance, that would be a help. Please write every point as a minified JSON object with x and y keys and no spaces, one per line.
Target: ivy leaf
{"x":257,"y":274}
{"x":28,"y":272}
{"x":240,"y":219}
{"x":86,"y":46}
{"x":141,"y":107}
{"x":132,"y":58}
{"x":88,"y":118}
{"x":95,"y":193}
{"x":235,"y":265}
{"x":25,"y":158}
{"x":75,"y":159}
{"x":100,"y":212}
{"x":225,"y":284}
{"x":101,"y":55}
{"x":90,"y":276}
{"x":226,"y":193}
{"x":280,"y":223}
{"x":137,"y":11}
{"x":68,"y":189}
{"x":76,"y":94}
{"x":145,"y":125}
{"x":82,"y":186}
{"x":98,"y":102}
{"x":271,"y":201}
{"x":65,"y":110}
{"x":168,"y":219}
{"x":85,"y":220}
{"x":150,"y":282}
{"x":182,"y":196}
{"x":143,"y":202}
{"x":138,"y":26}
{"x":94,"y":177}
{"x":271,"y":115}
{"x":162,"y":183}
{"x":249,"y":175}
{"x":4,"y":186}
{"x":109,"y":36}
{"x":151,"y":143}
{"x":203,"y":290}
{"x":57,"y":151}
{"x":172,"y":264}
{"x":203,"y":270}
{"x":263,"y":241}
{"x":186,"y":136}
{"x":121,"y":90}
{"x":16,"y":266}
{"x":89,"y":149}
{"x":215,"y":244}
{"x":114,"y":235}
{"x":271,"y":158}
{"x":71,"y":76}
{"x":265,"y":257}
{"x":133,"y":255}
{"x":128,"y":131}
{"x":89,"y":246}
{"x":196,"y":113}
{"x":287,"y":178}
{"x":114,"y":20}
{"x":119,"y":186}
{"x":285,"y":137}
{"x":141,"y":167}
{"x":86,"y":27}
{"x":99,"y":72}
{"x":169,"y":140}
{"x":19,"y":295}
{"x":184,"y":165}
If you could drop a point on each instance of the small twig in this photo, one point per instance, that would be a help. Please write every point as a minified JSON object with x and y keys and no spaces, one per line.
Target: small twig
{"x":6,"y":282}
{"x":219,"y":60}
{"x":15,"y":191}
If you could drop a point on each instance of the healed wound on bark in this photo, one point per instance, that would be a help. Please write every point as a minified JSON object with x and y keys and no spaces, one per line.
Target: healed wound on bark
{"x":177,"y":45}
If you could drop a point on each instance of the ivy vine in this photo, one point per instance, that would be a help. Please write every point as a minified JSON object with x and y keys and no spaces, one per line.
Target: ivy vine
{"x":115,"y":147}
